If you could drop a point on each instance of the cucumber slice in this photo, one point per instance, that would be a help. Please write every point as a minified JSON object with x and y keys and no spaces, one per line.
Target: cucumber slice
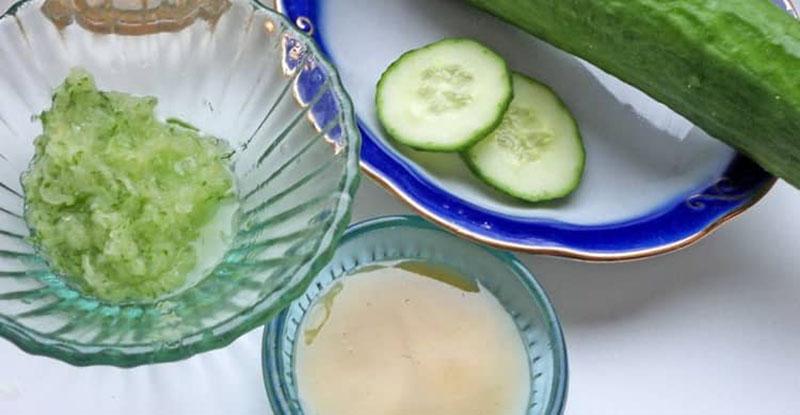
{"x":445,"y":96}
{"x":537,"y":152}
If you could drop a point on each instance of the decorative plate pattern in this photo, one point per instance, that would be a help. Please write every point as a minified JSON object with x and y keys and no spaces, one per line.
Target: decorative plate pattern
{"x":653,"y":194}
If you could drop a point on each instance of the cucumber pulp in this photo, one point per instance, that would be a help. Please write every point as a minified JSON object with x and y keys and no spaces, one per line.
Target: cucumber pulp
{"x":536,"y":153}
{"x":444,"y":96}
{"x":115,"y":198}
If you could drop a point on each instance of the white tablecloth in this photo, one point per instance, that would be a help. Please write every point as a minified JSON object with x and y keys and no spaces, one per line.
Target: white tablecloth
{"x":713,"y":329}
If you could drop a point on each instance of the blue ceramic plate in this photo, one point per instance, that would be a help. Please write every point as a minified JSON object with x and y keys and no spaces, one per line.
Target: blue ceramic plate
{"x":653,"y":182}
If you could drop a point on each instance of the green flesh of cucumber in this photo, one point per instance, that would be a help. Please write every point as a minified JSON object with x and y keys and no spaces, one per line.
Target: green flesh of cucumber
{"x":536,"y":153}
{"x":444,"y":96}
{"x":730,"y":66}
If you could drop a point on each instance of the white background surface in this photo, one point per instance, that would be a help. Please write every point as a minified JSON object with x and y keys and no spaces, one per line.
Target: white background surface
{"x":713,"y":329}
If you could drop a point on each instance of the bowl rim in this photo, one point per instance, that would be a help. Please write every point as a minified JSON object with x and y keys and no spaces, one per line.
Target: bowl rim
{"x":558,"y":397}
{"x":78,"y":354}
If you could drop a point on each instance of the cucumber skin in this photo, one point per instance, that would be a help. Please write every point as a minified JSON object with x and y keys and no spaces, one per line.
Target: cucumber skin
{"x":730,"y":66}
{"x":541,"y":197}
{"x":520,"y":196}
{"x":501,"y":109}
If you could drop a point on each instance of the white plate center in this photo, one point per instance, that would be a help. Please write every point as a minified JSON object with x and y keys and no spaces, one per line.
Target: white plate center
{"x":633,"y":168}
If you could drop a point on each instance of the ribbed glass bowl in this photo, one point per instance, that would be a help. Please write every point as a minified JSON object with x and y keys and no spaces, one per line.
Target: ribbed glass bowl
{"x":237,"y":71}
{"x":403,"y":238}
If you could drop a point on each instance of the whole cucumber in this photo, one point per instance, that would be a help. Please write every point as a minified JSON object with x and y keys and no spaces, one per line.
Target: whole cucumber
{"x":730,"y":66}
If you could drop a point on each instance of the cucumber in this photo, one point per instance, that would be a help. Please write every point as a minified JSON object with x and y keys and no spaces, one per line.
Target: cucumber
{"x":730,"y":66}
{"x":444,"y":96}
{"x":536,"y":153}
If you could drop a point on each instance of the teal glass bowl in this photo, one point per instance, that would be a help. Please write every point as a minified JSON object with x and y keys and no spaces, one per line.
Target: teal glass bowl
{"x":235,"y":70}
{"x":398,"y":238}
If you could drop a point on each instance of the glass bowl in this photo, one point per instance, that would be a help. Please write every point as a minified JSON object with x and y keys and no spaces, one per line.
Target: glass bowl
{"x":398,"y":238}
{"x":237,"y":71}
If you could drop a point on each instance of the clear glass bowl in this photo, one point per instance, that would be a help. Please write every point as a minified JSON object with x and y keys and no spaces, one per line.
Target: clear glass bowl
{"x":392,"y":239}
{"x":235,"y":70}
